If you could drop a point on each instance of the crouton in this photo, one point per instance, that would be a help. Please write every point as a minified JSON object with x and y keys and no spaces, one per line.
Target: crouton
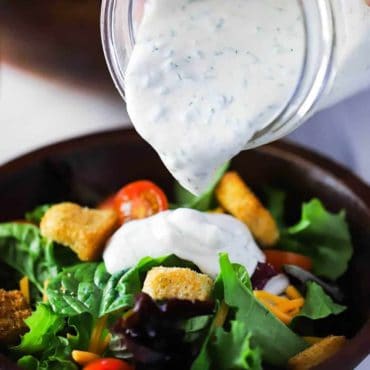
{"x":317,"y":353}
{"x":13,"y":310}
{"x":84,"y":230}
{"x":236,"y":198}
{"x":175,"y":282}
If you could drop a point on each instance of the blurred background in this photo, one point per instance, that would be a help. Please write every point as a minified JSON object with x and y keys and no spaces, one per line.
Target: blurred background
{"x":54,"y":84}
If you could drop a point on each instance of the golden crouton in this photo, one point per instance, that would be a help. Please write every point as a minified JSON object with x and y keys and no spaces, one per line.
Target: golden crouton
{"x":84,"y":230}
{"x":175,"y":282}
{"x":317,"y":353}
{"x":13,"y":310}
{"x":236,"y":198}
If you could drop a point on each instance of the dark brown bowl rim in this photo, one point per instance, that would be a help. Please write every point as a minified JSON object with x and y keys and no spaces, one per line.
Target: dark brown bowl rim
{"x":358,"y":347}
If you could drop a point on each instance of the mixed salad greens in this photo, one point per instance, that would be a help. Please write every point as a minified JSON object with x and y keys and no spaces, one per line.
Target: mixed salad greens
{"x":84,"y":317}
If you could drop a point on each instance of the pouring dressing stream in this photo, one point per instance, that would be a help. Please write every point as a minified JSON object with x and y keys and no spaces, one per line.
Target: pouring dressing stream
{"x":205,"y":76}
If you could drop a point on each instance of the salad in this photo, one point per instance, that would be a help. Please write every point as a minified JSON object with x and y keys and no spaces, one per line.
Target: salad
{"x":220,"y":281}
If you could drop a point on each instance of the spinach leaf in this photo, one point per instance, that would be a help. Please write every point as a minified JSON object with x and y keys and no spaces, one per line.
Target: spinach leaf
{"x":203,"y":202}
{"x":88,"y":287}
{"x":277,"y":342}
{"x":37,"y":214}
{"x":23,"y":248}
{"x":318,"y":304}
{"x":323,"y":236}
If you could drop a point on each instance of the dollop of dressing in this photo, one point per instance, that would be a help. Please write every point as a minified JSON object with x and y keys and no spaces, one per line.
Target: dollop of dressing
{"x":206,"y":75}
{"x":190,"y":234}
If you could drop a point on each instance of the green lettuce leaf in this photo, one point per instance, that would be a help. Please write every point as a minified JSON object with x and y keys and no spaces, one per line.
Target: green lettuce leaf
{"x":57,"y":357}
{"x":44,"y":324}
{"x":23,"y":248}
{"x":37,"y":214}
{"x":318,"y":304}
{"x":320,"y":234}
{"x":277,"y":342}
{"x":323,"y":236}
{"x":43,"y":347}
{"x":252,"y":324}
{"x":229,"y":350}
{"x":233,"y":350}
{"x":88,"y":287}
{"x":203,"y":202}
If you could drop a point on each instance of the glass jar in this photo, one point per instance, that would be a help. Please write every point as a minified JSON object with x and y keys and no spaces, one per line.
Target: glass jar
{"x":336,"y":61}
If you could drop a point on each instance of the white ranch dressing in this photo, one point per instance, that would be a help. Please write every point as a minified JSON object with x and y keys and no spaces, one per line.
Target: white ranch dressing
{"x":206,"y":75}
{"x":192,"y":235}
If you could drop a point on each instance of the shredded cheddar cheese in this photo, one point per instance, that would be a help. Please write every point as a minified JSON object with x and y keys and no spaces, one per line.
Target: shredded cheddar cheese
{"x":284,"y":308}
{"x":44,"y":295}
{"x":83,"y":357}
{"x":95,"y":345}
{"x":104,"y":343}
{"x":221,"y":315}
{"x":24,"y":287}
{"x":292,"y":292}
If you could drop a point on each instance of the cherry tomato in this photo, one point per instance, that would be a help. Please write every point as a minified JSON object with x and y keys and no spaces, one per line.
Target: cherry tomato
{"x":139,"y":199}
{"x":279,"y":258}
{"x":108,"y":364}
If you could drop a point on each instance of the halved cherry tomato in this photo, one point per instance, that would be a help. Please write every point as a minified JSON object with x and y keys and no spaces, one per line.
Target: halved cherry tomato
{"x":279,"y":258}
{"x":136,"y":200}
{"x":139,"y":199}
{"x":108,"y":364}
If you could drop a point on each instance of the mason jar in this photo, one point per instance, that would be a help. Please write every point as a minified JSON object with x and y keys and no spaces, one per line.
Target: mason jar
{"x":335,"y":62}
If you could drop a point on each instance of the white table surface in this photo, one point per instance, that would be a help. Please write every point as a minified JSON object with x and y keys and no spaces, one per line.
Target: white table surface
{"x":35,"y":112}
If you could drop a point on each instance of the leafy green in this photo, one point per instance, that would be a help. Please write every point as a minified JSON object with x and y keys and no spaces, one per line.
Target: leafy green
{"x":44,"y":347}
{"x":242,"y":274}
{"x":275,"y":203}
{"x":318,"y":304}
{"x":56,"y":357}
{"x":320,"y":234}
{"x":23,"y":248}
{"x":323,"y":236}
{"x":233,"y":349}
{"x":43,"y":324}
{"x":88,"y":287}
{"x":277,"y":342}
{"x":203,"y":202}
{"x":37,"y":214}
{"x":229,"y":350}
{"x":252,"y":324}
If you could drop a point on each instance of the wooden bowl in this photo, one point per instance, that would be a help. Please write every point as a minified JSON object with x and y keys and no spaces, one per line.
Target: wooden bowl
{"x":87,"y":169}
